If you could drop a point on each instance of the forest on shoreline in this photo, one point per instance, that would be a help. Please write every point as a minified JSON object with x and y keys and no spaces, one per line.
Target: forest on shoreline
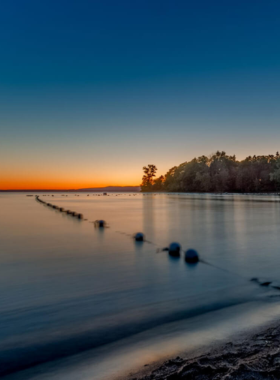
{"x":217,"y":173}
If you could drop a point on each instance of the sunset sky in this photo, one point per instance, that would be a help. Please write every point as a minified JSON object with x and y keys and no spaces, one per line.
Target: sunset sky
{"x":90,"y":91}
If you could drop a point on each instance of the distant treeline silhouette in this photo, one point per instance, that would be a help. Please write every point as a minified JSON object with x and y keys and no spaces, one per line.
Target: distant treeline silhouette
{"x":217,"y":173}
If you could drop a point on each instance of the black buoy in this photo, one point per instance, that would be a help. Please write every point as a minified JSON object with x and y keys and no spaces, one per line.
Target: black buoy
{"x":139,"y":236}
{"x":61,"y":209}
{"x":101,"y":223}
{"x":80,"y":216}
{"x":191,"y":256}
{"x":174,"y":249}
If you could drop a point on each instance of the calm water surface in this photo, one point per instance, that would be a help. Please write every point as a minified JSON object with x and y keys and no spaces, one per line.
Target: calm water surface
{"x":67,"y":287}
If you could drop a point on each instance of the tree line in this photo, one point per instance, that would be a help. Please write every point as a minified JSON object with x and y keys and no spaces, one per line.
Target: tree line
{"x":217,"y":173}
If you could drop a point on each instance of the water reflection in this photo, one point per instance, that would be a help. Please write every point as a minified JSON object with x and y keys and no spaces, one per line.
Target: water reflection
{"x":148,"y":216}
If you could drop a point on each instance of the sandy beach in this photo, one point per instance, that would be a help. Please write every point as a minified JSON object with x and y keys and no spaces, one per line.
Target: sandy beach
{"x":256,"y":356}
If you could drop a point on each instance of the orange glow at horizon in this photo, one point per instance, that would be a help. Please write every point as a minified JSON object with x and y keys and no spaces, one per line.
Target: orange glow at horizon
{"x":65,"y":185}
{"x":67,"y":177}
{"x":65,"y":182}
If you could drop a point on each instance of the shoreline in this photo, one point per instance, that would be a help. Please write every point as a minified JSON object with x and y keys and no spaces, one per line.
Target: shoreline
{"x":164,"y":353}
{"x":253,"y":356}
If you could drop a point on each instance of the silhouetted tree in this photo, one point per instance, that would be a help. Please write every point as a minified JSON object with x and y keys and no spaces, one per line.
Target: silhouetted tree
{"x":158,"y":184}
{"x":275,"y":175}
{"x":148,"y":177}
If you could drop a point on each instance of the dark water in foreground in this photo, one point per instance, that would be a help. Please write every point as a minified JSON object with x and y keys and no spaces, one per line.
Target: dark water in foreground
{"x":66,"y":287}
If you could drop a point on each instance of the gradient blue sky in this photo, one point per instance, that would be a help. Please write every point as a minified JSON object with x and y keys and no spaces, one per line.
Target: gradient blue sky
{"x":90,"y":91}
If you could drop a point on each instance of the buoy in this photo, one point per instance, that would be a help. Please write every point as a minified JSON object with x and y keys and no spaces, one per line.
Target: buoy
{"x":174,"y":249}
{"x":61,"y":209}
{"x":139,"y":236}
{"x":80,"y":216}
{"x":100,"y":223}
{"x":191,"y":256}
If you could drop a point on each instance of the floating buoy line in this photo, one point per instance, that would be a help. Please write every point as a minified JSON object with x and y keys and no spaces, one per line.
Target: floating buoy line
{"x":174,"y":249}
{"x":61,"y":209}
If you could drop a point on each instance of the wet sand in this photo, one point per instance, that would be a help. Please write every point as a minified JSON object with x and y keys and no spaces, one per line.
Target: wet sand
{"x":256,"y":356}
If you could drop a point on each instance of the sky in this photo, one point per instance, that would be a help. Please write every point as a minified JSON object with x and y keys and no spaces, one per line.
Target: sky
{"x":93,"y":90}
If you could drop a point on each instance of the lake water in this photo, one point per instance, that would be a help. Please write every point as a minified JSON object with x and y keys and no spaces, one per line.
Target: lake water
{"x":69,"y":289}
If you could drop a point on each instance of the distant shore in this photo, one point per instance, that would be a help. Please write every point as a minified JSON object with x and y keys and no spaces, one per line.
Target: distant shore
{"x":218,"y":172}
{"x":256,"y":356}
